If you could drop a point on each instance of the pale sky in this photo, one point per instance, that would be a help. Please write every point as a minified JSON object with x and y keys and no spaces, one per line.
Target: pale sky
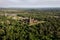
{"x":30,"y":3}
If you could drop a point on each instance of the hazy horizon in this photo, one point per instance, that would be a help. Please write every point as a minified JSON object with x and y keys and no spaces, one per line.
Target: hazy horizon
{"x":29,"y":3}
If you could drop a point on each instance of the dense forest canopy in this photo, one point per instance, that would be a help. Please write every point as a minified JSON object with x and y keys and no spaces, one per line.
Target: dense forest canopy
{"x":11,"y":29}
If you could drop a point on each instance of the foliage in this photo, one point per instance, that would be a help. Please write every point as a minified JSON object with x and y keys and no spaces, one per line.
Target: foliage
{"x":16,"y":30}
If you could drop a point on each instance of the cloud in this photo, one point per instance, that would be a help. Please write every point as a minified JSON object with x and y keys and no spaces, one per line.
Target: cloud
{"x":29,"y":3}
